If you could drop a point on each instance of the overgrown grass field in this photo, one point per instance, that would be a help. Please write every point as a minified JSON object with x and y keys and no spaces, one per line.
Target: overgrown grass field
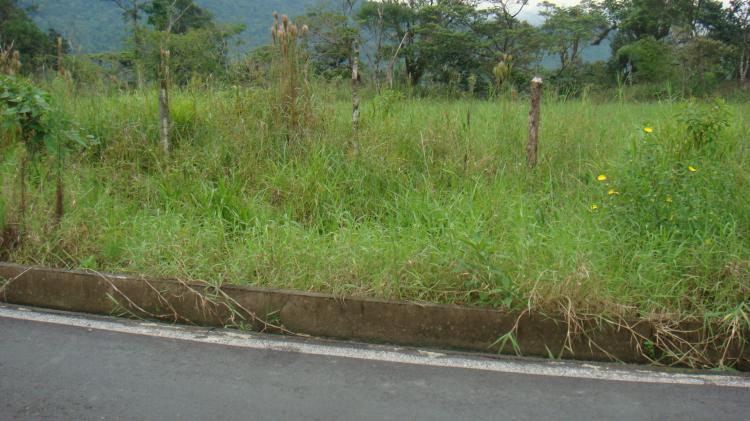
{"x":439,"y":204}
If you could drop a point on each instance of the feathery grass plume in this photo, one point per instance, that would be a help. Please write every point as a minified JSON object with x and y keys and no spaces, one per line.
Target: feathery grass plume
{"x":10,"y":60}
{"x":294,"y":97}
{"x":502,"y":72}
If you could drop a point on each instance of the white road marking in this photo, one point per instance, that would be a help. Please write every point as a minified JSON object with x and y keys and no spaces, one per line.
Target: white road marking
{"x":375,"y":353}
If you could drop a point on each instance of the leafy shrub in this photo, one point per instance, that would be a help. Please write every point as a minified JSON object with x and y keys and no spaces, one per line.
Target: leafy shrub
{"x":25,"y":110}
{"x":704,"y":123}
{"x":651,"y":59}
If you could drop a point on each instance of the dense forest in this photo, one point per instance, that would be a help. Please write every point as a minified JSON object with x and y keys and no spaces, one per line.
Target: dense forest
{"x":81,"y":20}
{"x":687,"y":47}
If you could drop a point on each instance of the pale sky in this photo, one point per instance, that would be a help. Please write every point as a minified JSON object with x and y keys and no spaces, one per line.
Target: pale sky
{"x":530,"y":13}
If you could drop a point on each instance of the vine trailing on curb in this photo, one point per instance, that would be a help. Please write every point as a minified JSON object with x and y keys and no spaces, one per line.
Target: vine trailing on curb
{"x":211,"y":300}
{"x":673,"y":343}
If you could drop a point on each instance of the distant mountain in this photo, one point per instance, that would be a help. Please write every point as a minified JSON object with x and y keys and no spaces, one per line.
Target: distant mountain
{"x":95,"y":26}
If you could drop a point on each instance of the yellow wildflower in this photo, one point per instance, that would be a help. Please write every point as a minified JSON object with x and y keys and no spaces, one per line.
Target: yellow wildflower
{"x":648,"y":129}
{"x":594,"y":207}
{"x":613,"y":192}
{"x":692,"y":168}
{"x":602,"y":178}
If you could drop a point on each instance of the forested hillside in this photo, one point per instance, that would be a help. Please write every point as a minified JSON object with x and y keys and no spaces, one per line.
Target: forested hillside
{"x":97,"y":25}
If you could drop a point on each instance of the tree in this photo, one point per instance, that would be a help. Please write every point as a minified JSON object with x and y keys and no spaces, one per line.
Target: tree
{"x":185,"y":42}
{"x":177,"y":16}
{"x":445,"y":41}
{"x":132,"y":14}
{"x":504,"y":39}
{"x":646,"y":60}
{"x":450,"y":41}
{"x":637,"y":19}
{"x":18,"y":31}
{"x":702,"y":63}
{"x":382,"y":19}
{"x":167,"y":17}
{"x":398,"y":21}
{"x":329,"y":42}
{"x":569,"y":29}
{"x":737,"y":33}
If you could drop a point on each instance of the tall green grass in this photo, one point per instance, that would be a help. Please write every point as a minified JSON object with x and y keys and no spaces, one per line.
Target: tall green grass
{"x":435,"y":207}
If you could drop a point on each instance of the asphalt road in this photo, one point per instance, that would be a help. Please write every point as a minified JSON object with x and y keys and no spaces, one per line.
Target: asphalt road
{"x":97,"y":368}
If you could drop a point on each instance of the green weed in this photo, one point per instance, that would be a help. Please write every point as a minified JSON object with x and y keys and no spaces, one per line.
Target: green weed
{"x":431,"y":210}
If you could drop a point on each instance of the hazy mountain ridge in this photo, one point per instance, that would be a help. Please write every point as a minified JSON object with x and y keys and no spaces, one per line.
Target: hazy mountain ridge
{"x":97,"y":26}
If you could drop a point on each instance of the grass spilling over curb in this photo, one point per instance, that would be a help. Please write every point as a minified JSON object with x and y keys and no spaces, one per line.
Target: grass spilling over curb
{"x":635,"y":210}
{"x":372,"y":320}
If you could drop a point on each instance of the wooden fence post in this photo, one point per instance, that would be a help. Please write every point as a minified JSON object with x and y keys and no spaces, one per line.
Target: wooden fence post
{"x":60,"y":68}
{"x":536,"y":99}
{"x":355,"y":97}
{"x":164,"y":118}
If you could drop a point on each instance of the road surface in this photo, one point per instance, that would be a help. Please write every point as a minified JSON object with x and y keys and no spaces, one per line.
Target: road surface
{"x":65,"y":366}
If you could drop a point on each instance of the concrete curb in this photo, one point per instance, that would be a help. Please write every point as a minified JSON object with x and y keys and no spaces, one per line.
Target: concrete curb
{"x":364,"y":319}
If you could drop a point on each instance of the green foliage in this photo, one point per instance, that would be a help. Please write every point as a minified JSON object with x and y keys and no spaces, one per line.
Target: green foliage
{"x":569,"y":29}
{"x":449,"y":41}
{"x":384,"y":103}
{"x":484,"y":279}
{"x":26,"y":110}
{"x":704,"y":122}
{"x":429,"y":211}
{"x":82,"y":20}
{"x":675,"y":187}
{"x":651,"y":60}
{"x":185,"y":119}
{"x":198,"y":52}
{"x":177,"y":16}
{"x":37,"y":48}
{"x":329,"y":42}
{"x":705,"y":62}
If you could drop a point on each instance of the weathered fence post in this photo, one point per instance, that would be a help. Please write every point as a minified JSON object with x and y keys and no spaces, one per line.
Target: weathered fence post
{"x":355,"y":97}
{"x":164,"y":101}
{"x":60,"y":68}
{"x":536,"y":99}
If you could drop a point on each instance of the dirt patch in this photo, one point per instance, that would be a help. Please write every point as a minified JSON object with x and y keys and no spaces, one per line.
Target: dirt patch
{"x":10,"y":239}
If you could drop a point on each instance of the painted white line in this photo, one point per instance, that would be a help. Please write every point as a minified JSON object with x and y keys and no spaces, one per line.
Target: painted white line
{"x":590,"y":371}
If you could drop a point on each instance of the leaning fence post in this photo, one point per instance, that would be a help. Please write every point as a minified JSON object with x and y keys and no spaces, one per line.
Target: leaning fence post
{"x":536,"y":99}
